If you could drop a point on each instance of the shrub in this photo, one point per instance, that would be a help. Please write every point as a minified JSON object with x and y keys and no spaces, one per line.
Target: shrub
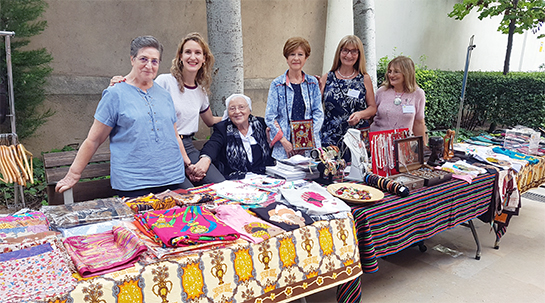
{"x":490,"y":97}
{"x":30,"y":67}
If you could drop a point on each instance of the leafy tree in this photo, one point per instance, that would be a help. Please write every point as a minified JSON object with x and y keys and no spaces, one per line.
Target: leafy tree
{"x":518,"y":16}
{"x":30,"y":67}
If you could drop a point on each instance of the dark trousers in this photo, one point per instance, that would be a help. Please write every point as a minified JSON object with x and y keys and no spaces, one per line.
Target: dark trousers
{"x":213,"y":175}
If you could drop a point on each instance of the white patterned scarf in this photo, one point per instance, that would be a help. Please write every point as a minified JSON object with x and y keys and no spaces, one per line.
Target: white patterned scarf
{"x":235,"y":152}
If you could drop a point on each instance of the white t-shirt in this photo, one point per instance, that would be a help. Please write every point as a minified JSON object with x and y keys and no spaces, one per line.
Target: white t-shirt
{"x":189,"y":104}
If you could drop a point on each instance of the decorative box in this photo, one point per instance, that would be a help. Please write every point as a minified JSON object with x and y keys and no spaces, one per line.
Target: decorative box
{"x":409,"y":154}
{"x":412,"y":182}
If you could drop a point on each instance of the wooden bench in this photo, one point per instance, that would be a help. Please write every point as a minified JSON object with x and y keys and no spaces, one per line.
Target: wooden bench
{"x":56,"y":166}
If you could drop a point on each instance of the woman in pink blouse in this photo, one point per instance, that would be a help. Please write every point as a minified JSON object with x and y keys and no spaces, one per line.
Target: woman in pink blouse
{"x":400,"y":102}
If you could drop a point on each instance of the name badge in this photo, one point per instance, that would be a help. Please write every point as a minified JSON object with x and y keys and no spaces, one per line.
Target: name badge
{"x":409,"y":109}
{"x":353,"y":93}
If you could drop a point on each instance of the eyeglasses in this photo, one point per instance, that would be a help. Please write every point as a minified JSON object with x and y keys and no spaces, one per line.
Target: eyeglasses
{"x":145,"y":60}
{"x":241,"y":108}
{"x":346,"y":51}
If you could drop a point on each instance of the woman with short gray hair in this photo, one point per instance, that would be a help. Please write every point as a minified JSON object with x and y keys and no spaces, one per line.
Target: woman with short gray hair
{"x":147,"y":155}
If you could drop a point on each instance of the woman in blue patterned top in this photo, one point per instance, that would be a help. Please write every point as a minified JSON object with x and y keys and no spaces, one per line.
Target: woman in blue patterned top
{"x":349,"y":100}
{"x":293,"y":96}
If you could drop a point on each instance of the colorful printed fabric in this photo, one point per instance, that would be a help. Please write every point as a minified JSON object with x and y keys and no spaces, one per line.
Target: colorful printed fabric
{"x":12,"y":244}
{"x":23,"y":224}
{"x":161,"y":252}
{"x":165,"y":200}
{"x":289,"y":266}
{"x":250,"y":227}
{"x":515,"y":155}
{"x":25,"y":252}
{"x":150,"y":202}
{"x":205,"y":189}
{"x":461,"y":167}
{"x":284,"y":216}
{"x":264,"y":182}
{"x":35,"y":277}
{"x":187,"y":226}
{"x":315,"y":200}
{"x":100,"y":210}
{"x":487,"y":155}
{"x":98,"y":254}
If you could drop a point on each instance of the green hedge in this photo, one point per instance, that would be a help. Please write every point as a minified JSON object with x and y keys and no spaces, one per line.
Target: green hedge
{"x":491,"y":97}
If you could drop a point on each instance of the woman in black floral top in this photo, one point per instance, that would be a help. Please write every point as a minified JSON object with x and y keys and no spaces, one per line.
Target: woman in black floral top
{"x":349,"y":100}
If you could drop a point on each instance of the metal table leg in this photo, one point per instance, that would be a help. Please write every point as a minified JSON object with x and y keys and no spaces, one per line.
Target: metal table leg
{"x":476,"y":237}
{"x":497,"y":243}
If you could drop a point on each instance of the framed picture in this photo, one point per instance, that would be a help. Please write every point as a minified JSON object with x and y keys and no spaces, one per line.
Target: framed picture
{"x":409,"y":153}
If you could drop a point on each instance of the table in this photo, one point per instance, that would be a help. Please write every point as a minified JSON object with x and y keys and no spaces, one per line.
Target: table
{"x":396,"y":223}
{"x":281,"y":269}
{"x":531,"y":176}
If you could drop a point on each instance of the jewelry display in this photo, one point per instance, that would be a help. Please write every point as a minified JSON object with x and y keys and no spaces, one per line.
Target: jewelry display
{"x":410,"y":158}
{"x":331,"y":163}
{"x":412,"y":182}
{"x":359,"y":160}
{"x":385,"y":184}
{"x":409,"y":153}
{"x":383,"y":160}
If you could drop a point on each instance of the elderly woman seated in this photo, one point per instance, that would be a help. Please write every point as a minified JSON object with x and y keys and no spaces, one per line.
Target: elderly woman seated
{"x":239,"y":144}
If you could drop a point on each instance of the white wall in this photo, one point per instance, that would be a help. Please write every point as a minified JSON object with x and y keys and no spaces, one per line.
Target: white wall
{"x":422,"y":27}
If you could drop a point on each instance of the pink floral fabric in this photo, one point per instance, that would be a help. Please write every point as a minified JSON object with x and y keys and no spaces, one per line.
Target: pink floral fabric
{"x":32,"y":274}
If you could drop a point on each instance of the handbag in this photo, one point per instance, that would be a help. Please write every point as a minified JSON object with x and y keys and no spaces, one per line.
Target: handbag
{"x":302,"y":134}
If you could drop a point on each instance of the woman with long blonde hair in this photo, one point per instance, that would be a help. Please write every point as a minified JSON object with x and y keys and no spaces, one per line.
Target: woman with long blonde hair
{"x":400,"y":102}
{"x":189,"y":83}
{"x":349,"y":100}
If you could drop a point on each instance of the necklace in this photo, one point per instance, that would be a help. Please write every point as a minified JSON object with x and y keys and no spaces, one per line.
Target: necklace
{"x":397,"y":99}
{"x":357,"y":147}
{"x":346,"y":77}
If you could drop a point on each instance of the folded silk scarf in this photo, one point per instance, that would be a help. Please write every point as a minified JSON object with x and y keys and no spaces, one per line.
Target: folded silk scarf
{"x":187,"y":226}
{"x":106,"y":252}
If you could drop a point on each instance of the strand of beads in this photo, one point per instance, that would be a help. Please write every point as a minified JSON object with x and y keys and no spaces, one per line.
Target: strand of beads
{"x":386,"y":184}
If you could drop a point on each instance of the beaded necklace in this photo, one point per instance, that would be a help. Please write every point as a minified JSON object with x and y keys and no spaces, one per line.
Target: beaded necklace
{"x":346,"y":77}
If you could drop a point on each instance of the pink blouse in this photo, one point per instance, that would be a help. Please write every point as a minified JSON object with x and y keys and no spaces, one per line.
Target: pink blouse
{"x":392,"y":116}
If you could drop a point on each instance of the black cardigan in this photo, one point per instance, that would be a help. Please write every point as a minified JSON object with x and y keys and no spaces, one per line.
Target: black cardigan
{"x":215,"y":148}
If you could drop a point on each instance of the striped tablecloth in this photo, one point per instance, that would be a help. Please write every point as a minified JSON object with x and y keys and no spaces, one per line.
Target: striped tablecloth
{"x":396,"y":223}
